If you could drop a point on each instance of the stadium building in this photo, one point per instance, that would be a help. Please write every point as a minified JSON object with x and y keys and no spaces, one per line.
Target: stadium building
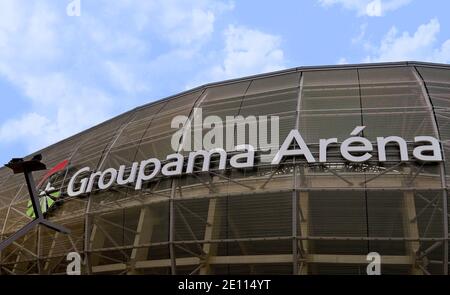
{"x":293,"y":216}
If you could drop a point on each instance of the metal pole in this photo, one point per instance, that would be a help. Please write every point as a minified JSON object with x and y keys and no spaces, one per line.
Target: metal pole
{"x":296,"y":185}
{"x":27,"y":167}
{"x":17,"y":235}
{"x":429,"y":103}
{"x":171,"y":230}
{"x":445,"y":220}
{"x":39,"y":233}
{"x":294,"y":230}
{"x":33,"y":195}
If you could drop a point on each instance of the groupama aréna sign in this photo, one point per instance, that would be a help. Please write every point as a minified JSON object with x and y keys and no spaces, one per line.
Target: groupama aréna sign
{"x":354,"y":149}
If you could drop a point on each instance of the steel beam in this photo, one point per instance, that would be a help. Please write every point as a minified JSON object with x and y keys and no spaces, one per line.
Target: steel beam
{"x":211,"y":232}
{"x":429,"y":103}
{"x":411,"y":228}
{"x":144,"y":232}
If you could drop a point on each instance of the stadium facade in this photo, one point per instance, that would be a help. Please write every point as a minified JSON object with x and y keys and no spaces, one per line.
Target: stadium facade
{"x":294,"y":216}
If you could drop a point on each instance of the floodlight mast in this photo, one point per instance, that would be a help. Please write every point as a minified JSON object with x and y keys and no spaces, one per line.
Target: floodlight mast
{"x":18,"y":165}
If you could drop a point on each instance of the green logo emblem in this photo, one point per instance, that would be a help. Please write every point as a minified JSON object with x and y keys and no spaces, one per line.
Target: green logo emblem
{"x":49,"y":196}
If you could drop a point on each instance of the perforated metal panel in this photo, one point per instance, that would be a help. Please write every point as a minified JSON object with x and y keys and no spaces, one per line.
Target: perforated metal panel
{"x":292,"y":218}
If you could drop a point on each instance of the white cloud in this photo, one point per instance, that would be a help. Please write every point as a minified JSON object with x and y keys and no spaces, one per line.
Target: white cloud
{"x":124,"y":77}
{"x":78,"y":71}
{"x":185,"y":28}
{"x":374,"y":8}
{"x":181,"y":22}
{"x":361,"y":35}
{"x":31,"y":47}
{"x":61,"y":107}
{"x":367,"y":7}
{"x":247,"y":51}
{"x":30,"y":124}
{"x":422,"y":45}
{"x":342,"y":61}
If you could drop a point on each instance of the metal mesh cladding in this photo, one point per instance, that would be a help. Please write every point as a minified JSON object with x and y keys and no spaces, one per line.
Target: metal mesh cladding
{"x":293,"y":218}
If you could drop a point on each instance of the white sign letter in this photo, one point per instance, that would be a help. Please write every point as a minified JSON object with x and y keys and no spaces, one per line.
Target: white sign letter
{"x":84,"y":182}
{"x":434,"y":148}
{"x":142,"y":177}
{"x":284,"y":149}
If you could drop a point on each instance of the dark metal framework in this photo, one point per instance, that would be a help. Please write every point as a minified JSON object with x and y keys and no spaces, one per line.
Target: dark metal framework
{"x":27,"y":167}
{"x":295,"y":218}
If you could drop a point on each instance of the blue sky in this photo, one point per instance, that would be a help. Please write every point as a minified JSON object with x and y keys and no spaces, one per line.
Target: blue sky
{"x":61,"y":74}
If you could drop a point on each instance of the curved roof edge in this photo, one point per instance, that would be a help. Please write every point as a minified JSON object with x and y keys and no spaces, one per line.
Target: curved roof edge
{"x":257,"y":76}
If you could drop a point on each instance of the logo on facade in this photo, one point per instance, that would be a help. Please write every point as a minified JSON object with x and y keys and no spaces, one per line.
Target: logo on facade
{"x":48,"y":195}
